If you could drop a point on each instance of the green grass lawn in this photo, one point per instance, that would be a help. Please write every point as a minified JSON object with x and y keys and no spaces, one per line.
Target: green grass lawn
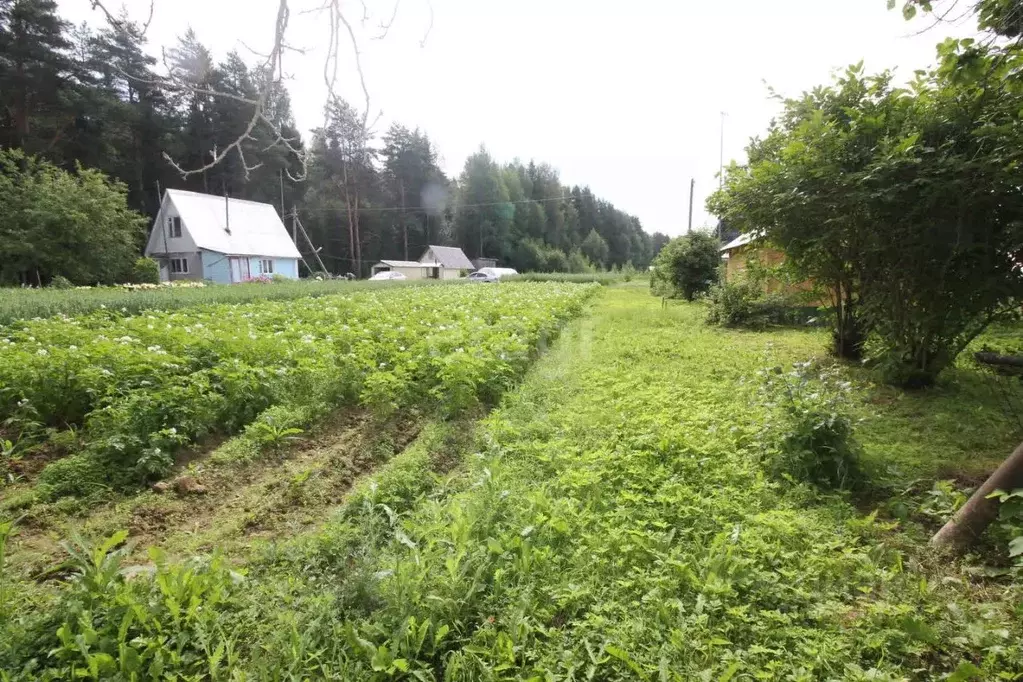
{"x":611,"y":520}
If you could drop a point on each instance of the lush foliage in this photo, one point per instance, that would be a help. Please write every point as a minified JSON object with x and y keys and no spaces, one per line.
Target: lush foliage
{"x":745,"y":304}
{"x":902,"y":202}
{"x":811,"y":436}
{"x":127,"y":392}
{"x":617,"y":521}
{"x":57,"y":223}
{"x":687,"y":266}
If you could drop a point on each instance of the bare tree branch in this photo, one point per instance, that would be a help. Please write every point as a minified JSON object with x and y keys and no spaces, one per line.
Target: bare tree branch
{"x":358,"y":62}
{"x":422,"y":43}
{"x":385,"y":27}
{"x":270,"y":74}
{"x":119,"y":25}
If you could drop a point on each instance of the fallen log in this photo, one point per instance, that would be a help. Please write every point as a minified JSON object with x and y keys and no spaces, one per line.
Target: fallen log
{"x":989,"y":358}
{"x":973,"y":518}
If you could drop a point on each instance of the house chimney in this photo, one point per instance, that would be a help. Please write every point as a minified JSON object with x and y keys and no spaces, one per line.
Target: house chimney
{"x":227,"y":209}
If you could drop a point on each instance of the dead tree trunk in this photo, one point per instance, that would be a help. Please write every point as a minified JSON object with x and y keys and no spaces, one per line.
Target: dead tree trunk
{"x":976,"y":515}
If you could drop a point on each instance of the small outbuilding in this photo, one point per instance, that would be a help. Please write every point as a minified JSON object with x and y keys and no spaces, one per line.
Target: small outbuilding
{"x":437,"y":262}
{"x":412,"y":269}
{"x":206,"y":237}
{"x":453,"y":261}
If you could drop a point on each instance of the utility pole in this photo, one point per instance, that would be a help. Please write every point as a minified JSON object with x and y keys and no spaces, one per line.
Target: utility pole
{"x":721,"y":165}
{"x":404,"y":224}
{"x":692,"y":188}
{"x":282,"y":193}
{"x":316,"y":251}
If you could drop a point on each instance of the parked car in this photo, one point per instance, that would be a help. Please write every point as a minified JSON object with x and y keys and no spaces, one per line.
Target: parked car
{"x":386,"y":275}
{"x":481,"y":276}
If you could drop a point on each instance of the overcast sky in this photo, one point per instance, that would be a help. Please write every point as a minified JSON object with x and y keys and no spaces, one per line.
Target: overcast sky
{"x":624,"y":96}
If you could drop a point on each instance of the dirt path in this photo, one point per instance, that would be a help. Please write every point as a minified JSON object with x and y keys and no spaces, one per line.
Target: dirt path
{"x":225,"y":508}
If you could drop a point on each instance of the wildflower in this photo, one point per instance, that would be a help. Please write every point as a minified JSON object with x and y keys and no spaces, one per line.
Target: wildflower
{"x":41,"y":351}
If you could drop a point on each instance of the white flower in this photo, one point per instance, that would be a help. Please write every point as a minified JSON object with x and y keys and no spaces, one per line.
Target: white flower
{"x":72,"y":347}
{"x":41,"y":351}
{"x":401,"y":348}
{"x":383,"y":364}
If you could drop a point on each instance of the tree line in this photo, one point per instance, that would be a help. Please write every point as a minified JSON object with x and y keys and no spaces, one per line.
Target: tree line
{"x":93,"y":99}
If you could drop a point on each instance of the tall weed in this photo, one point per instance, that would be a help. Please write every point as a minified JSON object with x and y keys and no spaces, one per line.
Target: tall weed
{"x":810,"y":437}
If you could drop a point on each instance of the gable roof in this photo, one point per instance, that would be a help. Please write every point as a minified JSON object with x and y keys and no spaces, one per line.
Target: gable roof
{"x":256,"y":229}
{"x":450,"y":257}
{"x":742,"y":240}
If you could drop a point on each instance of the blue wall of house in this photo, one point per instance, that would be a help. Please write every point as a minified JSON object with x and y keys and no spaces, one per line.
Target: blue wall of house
{"x":215,"y":267}
{"x":288,"y":267}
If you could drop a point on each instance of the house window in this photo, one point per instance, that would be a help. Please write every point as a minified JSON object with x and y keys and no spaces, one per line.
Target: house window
{"x":179,"y":266}
{"x":266,"y":267}
{"x":174,"y":227}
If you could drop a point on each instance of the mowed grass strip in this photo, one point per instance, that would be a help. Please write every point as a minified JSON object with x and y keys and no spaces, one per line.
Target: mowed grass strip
{"x":620,"y":526}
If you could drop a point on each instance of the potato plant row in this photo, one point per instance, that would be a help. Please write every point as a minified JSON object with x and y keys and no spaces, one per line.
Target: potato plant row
{"x":128,"y":392}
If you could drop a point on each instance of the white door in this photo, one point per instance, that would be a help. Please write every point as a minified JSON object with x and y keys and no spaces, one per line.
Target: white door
{"x":239,"y":269}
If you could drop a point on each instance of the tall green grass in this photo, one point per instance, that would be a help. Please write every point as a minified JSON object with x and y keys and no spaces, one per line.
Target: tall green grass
{"x":604,"y":278}
{"x":18,"y":304}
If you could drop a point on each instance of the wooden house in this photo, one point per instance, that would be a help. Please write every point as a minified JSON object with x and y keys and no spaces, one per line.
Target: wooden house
{"x":207,"y":237}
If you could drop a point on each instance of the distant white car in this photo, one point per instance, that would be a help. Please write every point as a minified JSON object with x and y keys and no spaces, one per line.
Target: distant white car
{"x":481,"y":276}
{"x":491,"y":274}
{"x":386,"y":275}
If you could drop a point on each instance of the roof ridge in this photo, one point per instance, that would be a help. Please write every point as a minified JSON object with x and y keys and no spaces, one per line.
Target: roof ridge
{"x":219,"y":197}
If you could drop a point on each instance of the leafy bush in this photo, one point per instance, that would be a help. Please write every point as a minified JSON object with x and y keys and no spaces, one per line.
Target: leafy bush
{"x":812,"y":437}
{"x":745,"y":304}
{"x":52,"y":222}
{"x":686,"y":266}
{"x":61,"y":282}
{"x":145,"y":271}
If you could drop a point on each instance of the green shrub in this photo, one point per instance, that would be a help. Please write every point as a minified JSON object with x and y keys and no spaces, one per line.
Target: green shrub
{"x":80,"y":475}
{"x":811,"y":438}
{"x":686,"y":267}
{"x":145,"y":271}
{"x":61,"y":282}
{"x":744,"y":304}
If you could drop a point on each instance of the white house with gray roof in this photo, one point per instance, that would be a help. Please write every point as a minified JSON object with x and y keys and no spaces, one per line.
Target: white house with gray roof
{"x":206,"y":237}
{"x":437,"y":262}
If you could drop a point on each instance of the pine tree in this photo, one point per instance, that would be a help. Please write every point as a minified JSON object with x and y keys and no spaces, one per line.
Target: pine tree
{"x":34,"y":73}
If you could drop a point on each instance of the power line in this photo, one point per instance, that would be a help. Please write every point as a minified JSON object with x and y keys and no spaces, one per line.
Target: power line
{"x":411,"y":208}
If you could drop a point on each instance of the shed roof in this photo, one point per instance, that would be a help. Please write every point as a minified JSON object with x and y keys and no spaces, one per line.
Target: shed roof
{"x":451,"y":257}
{"x":409,"y":264}
{"x":742,"y":240}
{"x":256,"y":229}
